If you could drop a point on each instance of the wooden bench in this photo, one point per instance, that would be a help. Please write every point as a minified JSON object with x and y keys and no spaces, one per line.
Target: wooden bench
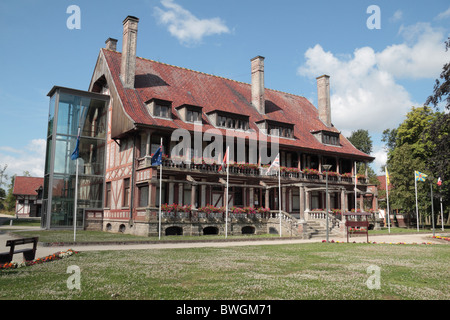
{"x":357,"y":223}
{"x":28,"y":253}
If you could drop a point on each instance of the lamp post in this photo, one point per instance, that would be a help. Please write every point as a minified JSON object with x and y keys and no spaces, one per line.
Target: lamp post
{"x":327,"y":167}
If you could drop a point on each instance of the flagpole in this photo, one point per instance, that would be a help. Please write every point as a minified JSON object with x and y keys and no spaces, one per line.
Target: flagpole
{"x":387,"y":200}
{"x":160,"y":189}
{"x":442,"y":215}
{"x":356,"y":181}
{"x":417,"y":208}
{"x":432,"y":205}
{"x":279,"y":192}
{"x":75,"y":209}
{"x":226,"y":195}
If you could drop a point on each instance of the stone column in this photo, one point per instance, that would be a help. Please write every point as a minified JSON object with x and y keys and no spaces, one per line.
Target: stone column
{"x":289,"y":202}
{"x":307,"y":201}
{"x":251,"y":197}
{"x":180,"y":193}
{"x":171,"y":191}
{"x":193,"y":196}
{"x":302,"y":202}
{"x":203,"y":194}
{"x":343,"y":201}
{"x":267,"y":199}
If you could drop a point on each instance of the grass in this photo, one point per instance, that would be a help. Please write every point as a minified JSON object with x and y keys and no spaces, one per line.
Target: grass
{"x":50,"y":236}
{"x":395,"y":230}
{"x":82,"y":236}
{"x":288,"y":272}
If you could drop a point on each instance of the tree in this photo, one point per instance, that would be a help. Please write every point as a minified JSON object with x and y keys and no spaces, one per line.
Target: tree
{"x":402,"y":165}
{"x":411,"y":129}
{"x":10,"y":201}
{"x":441,"y":90}
{"x":408,"y":152}
{"x":361,"y":140}
{"x":3,"y":178}
{"x":436,"y":139}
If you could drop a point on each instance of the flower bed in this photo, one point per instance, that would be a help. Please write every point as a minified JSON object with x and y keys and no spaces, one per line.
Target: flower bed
{"x":442,"y":238}
{"x":56,"y":256}
{"x":309,"y":171}
{"x":374,"y":242}
{"x":176,"y":208}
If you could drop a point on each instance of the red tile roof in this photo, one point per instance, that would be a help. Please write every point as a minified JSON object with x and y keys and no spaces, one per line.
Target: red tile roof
{"x":27,"y":185}
{"x":184,"y":86}
{"x":382,"y":185}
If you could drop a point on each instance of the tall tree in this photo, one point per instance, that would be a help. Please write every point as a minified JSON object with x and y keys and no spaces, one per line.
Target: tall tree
{"x":411,"y":129}
{"x":442,"y":90}
{"x":390,"y":139}
{"x":361,"y":140}
{"x":436,"y":139}
{"x":408,"y":153}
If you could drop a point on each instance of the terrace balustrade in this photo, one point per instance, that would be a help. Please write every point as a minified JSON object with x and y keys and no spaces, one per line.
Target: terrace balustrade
{"x":252,"y":170}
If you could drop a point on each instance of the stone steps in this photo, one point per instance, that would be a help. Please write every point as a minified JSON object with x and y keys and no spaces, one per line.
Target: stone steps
{"x":317,"y":230}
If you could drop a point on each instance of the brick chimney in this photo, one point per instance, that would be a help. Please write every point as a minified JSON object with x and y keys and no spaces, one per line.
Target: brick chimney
{"x":128,"y":65}
{"x":323,"y":95}
{"x":258,"y":100}
{"x":111,"y":44}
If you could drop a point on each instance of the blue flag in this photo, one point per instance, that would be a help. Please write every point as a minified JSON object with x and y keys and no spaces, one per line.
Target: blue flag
{"x":157,"y":157}
{"x":76,"y":153}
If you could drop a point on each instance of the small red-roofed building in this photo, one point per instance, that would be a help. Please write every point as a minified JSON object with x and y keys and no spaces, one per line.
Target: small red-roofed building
{"x":28,"y":193}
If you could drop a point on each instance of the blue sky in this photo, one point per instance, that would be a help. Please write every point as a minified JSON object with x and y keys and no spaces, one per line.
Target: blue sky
{"x":377,"y":75}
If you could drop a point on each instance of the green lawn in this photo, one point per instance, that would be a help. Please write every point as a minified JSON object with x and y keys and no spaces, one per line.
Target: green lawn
{"x":396,"y":230}
{"x":301,"y":271}
{"x":67,"y":236}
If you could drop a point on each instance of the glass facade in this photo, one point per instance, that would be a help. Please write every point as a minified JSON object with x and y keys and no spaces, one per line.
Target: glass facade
{"x":69,"y":110}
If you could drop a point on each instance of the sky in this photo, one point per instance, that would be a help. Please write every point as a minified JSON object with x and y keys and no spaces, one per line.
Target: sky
{"x":381,"y":60}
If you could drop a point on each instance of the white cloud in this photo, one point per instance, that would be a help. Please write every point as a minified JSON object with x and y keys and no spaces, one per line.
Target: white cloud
{"x":443,"y":15}
{"x":186,"y":27}
{"x":362,"y":95}
{"x":398,"y":15}
{"x":421,"y":56}
{"x":364,"y":90}
{"x":31,"y":158}
{"x":380,"y":155}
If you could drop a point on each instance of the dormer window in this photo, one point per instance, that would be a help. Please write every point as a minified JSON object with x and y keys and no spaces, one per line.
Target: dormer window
{"x":190,"y":113}
{"x":159,"y":108}
{"x":229,"y":120}
{"x":277,"y":129}
{"x":193,"y":116}
{"x":327,"y":137}
{"x":161,"y":111}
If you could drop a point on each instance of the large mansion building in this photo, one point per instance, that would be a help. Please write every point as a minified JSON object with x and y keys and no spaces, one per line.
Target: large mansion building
{"x":134,"y":103}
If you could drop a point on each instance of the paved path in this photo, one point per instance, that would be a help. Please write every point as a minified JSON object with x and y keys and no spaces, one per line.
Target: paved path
{"x":44,"y":251}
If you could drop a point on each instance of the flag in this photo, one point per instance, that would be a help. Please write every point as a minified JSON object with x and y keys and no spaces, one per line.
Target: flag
{"x":157,"y":157}
{"x":387,"y":177}
{"x":76,"y":153}
{"x":439,"y":182}
{"x":224,"y":161}
{"x":420,"y":176}
{"x":275,"y":164}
